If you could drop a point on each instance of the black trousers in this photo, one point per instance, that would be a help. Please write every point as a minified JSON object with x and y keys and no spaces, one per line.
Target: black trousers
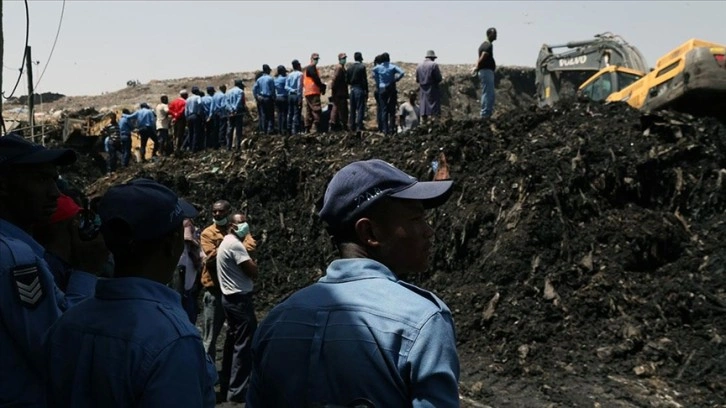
{"x":237,"y":354}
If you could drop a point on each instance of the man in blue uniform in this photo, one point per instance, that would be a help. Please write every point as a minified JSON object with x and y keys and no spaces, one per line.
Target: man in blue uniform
{"x":30,"y":302}
{"x":361,"y":333}
{"x":145,"y":119}
{"x":132,"y":344}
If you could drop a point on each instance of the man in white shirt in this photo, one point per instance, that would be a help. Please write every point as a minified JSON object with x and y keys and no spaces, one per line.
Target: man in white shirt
{"x":237,"y":272}
{"x":163,"y":120}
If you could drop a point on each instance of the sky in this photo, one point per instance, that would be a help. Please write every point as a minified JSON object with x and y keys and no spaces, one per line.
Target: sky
{"x":103,"y":44}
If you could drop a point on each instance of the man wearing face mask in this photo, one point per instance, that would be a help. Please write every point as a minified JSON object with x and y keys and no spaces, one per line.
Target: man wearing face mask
{"x":212,"y":312}
{"x":237,"y":272}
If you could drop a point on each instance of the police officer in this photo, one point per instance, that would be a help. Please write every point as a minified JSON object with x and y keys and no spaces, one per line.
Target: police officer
{"x":132,"y":344}
{"x":30,"y":302}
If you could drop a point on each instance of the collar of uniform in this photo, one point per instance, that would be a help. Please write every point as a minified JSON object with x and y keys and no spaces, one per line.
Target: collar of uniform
{"x":11,"y":230}
{"x":352,"y":269}
{"x":136,"y":288}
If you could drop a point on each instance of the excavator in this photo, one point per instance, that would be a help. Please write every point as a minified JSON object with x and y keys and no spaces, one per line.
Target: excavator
{"x":581,"y":59}
{"x":691,"y":78}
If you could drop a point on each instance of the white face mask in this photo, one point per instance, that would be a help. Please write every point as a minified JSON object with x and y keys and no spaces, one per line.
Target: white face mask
{"x":242,"y":230}
{"x":221,"y":222}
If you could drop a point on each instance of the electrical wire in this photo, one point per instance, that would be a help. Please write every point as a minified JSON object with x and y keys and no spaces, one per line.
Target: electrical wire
{"x":57,"y":33}
{"x":25,"y":50}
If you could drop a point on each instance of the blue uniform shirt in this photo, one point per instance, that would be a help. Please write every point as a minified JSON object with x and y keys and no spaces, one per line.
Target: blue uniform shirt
{"x":219,"y":104}
{"x":280,"y":90}
{"x":264,"y":86}
{"x":125,"y":126}
{"x":235,"y":100}
{"x":130,"y":345}
{"x":29,"y":304}
{"x":145,"y":118}
{"x":359,"y":332}
{"x":193,"y":106}
{"x":293,"y":84}
{"x":386,"y":74}
{"x":207,"y":106}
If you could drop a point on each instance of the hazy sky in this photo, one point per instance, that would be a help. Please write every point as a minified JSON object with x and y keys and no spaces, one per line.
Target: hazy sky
{"x":103,"y":44}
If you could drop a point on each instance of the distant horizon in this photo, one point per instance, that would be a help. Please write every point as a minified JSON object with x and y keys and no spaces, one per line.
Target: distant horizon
{"x":102,"y":45}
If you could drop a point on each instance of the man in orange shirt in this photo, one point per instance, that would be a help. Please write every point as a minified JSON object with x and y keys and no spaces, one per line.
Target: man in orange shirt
{"x":313,"y":88}
{"x":178,"y":120}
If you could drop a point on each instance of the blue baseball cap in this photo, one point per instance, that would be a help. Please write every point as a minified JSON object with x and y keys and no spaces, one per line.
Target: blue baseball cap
{"x":357,"y":186}
{"x":14,"y":149}
{"x":150,"y":209}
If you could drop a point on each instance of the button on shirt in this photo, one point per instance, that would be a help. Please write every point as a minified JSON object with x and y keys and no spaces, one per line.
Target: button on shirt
{"x":130,"y":345}
{"x":230,"y":254}
{"x":359,"y":332}
{"x":29,"y":304}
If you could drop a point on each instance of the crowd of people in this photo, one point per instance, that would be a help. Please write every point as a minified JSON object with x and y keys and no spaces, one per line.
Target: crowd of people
{"x":215,"y":119}
{"x":98,"y":298}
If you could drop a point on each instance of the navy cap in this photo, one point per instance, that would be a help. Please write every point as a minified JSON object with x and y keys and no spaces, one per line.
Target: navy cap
{"x":357,"y":186}
{"x":150,"y":209}
{"x":14,"y":149}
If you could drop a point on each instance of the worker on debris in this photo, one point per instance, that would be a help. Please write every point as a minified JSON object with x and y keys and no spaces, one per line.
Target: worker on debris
{"x":179,"y":123}
{"x":361,"y":333}
{"x":163,"y":120}
{"x":264,"y":93}
{"x":210,"y":132}
{"x":125,"y":126}
{"x":339,"y":95}
{"x":281,"y":100}
{"x":409,"y":113}
{"x":237,"y":273}
{"x":219,"y":115}
{"x":145,"y":120}
{"x":386,"y":75}
{"x":428,"y":77}
{"x":193,"y":113}
{"x":30,"y":302}
{"x":357,"y":78}
{"x":131,"y":344}
{"x":213,"y":313}
{"x":236,"y":108}
{"x":485,"y":67}
{"x":313,"y":88}
{"x":112,"y":143}
{"x":379,"y":106}
{"x":294,"y":87}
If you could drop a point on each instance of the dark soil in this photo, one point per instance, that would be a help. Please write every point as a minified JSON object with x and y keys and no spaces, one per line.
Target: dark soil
{"x":582,"y":252}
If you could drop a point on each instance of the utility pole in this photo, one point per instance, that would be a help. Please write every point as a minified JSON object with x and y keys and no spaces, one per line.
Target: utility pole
{"x":31,"y":100}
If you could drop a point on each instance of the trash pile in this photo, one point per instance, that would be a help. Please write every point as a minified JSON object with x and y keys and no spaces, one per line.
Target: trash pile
{"x":581,"y":253}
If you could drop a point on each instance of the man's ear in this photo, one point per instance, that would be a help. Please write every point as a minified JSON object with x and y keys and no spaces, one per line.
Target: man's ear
{"x":366,"y":232}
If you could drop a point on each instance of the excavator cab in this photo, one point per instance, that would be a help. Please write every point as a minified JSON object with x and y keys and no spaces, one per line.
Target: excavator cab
{"x":607,"y":81}
{"x":558,"y":72}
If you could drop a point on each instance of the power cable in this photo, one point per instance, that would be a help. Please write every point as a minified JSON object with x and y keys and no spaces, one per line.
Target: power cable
{"x":25,"y":50}
{"x":57,"y":33}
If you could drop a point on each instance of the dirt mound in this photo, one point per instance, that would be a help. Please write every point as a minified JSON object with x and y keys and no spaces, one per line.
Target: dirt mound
{"x":581,"y":254}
